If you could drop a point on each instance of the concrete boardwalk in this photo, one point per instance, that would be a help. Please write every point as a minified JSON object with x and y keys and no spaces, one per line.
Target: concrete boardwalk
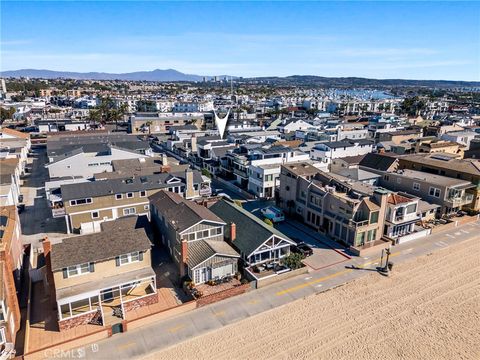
{"x":152,"y":338}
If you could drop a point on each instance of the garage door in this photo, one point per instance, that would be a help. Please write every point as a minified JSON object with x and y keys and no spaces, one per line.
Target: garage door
{"x":90,"y":227}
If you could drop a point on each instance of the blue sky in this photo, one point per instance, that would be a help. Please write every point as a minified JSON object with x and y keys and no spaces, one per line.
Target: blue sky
{"x":411,"y":40}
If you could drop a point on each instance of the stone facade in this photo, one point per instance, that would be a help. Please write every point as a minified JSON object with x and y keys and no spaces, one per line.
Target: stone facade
{"x":237,"y":290}
{"x":75,"y":321}
{"x":144,"y":301}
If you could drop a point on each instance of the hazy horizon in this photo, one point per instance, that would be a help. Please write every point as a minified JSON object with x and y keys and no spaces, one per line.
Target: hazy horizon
{"x":383,"y":40}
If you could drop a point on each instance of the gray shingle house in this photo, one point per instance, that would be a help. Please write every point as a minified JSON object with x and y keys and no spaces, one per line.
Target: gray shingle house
{"x":257,"y":242}
{"x":194,"y":237}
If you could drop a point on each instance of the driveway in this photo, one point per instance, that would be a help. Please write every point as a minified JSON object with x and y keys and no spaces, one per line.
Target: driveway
{"x":325,"y":251}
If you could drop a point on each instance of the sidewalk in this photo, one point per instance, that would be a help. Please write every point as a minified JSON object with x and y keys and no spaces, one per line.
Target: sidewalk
{"x":142,"y":341}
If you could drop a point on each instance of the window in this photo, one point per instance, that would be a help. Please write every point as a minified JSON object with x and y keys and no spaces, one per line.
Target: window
{"x":129,"y":211}
{"x":129,"y":195}
{"x":143,"y":193}
{"x":215,"y":231}
{"x":77,"y":270}
{"x":374,"y":217}
{"x":129,"y":258}
{"x":386,"y":177}
{"x":416,"y":186}
{"x":399,"y":180}
{"x":191,"y":236}
{"x":95,"y":215}
{"x":146,"y":207}
{"x":410,"y":209}
{"x":80,"y":201}
{"x":2,"y":315}
{"x":118,"y":196}
{"x":434,"y":192}
{"x":3,"y":339}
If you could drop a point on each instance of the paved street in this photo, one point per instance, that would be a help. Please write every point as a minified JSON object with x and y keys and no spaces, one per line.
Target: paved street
{"x":148,"y":339}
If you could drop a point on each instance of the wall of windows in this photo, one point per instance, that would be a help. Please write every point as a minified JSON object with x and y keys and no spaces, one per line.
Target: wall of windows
{"x":203,"y":234}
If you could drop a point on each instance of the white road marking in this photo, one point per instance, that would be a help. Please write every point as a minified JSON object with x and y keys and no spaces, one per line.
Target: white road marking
{"x":408,"y":250}
{"x":366,"y":258}
{"x":458,"y":233}
{"x":319,"y":285}
{"x":465,"y":231}
{"x":450,"y":236}
{"x":308,"y":278}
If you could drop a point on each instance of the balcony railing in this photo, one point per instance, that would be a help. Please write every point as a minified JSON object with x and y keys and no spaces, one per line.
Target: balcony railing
{"x":358,"y":223}
{"x":458,"y":201}
{"x":58,"y":212}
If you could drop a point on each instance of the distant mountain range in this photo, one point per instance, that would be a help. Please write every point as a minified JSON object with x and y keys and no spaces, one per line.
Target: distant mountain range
{"x":299,"y":80}
{"x":155,"y":75}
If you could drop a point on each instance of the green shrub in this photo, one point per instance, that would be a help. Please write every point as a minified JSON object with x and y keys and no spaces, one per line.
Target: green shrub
{"x":206,"y":173}
{"x":293,"y":261}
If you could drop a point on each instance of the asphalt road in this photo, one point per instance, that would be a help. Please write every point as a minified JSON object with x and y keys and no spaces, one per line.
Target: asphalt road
{"x":152,"y":338}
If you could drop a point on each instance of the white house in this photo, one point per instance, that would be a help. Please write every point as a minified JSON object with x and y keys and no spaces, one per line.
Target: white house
{"x":460,"y":137}
{"x":294,"y":125}
{"x":325,"y":152}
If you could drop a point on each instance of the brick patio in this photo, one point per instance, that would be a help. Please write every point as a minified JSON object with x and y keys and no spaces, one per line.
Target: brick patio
{"x":208,"y":290}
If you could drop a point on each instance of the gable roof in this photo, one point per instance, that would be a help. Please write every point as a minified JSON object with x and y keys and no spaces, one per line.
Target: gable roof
{"x":123,"y":185}
{"x":118,"y":237}
{"x":180,"y":213}
{"x":378,"y":161}
{"x":251,"y":232}
{"x":201,"y":250}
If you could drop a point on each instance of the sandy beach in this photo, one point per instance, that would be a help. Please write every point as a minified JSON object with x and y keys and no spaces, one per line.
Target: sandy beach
{"x":429,"y":308}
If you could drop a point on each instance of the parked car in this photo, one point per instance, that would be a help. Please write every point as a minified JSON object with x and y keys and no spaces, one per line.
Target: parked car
{"x":272,"y":213}
{"x":302,"y":248}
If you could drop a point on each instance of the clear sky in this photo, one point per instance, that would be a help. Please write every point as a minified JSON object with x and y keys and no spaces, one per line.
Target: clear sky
{"x":411,"y":40}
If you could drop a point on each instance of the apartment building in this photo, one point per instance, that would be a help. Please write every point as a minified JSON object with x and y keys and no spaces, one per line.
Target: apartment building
{"x":326,"y":152}
{"x":89,"y":204}
{"x":11,"y":258}
{"x":451,"y":194}
{"x":194,"y":237}
{"x":98,"y":278}
{"x":444,"y":165}
{"x":348,"y":211}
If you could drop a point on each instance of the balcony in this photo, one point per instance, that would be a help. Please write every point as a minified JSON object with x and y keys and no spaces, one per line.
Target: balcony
{"x":459,"y":201}
{"x":357,"y":224}
{"x":60,"y":212}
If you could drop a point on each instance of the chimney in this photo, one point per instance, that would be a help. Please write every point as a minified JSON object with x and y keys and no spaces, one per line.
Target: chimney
{"x":194,"y":143}
{"x":50,"y":282}
{"x":189,"y":190}
{"x":47,"y":246}
{"x":233,"y":231}
{"x":164,"y":159}
{"x":184,"y":257}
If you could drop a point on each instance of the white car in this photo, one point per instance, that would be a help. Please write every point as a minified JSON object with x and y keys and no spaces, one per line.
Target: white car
{"x":272,"y":213}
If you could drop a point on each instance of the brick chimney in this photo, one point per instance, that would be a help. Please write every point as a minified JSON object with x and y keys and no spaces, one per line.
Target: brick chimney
{"x":184,"y":257}
{"x":164,"y":159}
{"x":233,"y":231}
{"x":47,"y":249}
{"x":189,"y":190}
